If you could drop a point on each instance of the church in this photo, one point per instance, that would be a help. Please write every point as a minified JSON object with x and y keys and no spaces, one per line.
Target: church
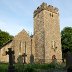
{"x":45,"y":43}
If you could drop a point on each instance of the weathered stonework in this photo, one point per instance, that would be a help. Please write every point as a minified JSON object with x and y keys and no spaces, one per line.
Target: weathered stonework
{"x":44,"y":6}
{"x":46,"y":41}
{"x":18,"y":45}
{"x":3,"y":56}
{"x":47,"y":33}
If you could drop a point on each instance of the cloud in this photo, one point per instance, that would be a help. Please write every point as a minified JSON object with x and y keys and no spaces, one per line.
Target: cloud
{"x":12,"y":28}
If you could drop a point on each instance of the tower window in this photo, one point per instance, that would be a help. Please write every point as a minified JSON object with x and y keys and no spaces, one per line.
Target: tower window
{"x":20,"y":46}
{"x":51,"y":14}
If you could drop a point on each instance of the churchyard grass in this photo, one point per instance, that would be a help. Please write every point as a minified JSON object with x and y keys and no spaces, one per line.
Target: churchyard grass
{"x":36,"y":67}
{"x":30,"y":67}
{"x":3,"y":67}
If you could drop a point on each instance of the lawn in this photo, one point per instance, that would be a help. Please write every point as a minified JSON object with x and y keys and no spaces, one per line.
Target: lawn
{"x":31,"y":67}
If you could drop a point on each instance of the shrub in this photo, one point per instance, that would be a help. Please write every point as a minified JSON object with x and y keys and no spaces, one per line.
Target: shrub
{"x":29,"y":69}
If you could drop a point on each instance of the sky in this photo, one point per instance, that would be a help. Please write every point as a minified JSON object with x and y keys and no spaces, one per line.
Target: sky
{"x":16,"y":15}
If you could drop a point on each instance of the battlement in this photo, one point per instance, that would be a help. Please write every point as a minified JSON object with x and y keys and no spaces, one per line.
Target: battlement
{"x":44,"y":6}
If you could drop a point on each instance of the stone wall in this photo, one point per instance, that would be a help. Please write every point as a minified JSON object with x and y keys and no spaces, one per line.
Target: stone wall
{"x":44,"y":6}
{"x":52,"y":36}
{"x":20,"y":41}
{"x":39,"y":37}
{"x":46,"y":41}
{"x":3,"y":57}
{"x":47,"y":33}
{"x":18,"y":45}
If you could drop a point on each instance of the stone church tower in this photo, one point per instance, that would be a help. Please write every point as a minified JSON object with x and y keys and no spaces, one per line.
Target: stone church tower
{"x":47,"y":34}
{"x":44,"y":45}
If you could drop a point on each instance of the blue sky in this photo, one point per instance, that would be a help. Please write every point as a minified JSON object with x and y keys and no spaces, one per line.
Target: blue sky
{"x":16,"y":15}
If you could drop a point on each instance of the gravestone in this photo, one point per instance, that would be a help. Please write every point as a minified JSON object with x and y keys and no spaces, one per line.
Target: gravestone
{"x":24,"y":58}
{"x":19,"y":62}
{"x":11,"y":67}
{"x":32,"y":59}
{"x":20,"y":59}
{"x":31,"y":56}
{"x":68,"y":60}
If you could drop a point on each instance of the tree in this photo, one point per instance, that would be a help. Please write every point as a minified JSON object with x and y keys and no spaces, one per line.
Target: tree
{"x":4,"y":37}
{"x":66,"y":39}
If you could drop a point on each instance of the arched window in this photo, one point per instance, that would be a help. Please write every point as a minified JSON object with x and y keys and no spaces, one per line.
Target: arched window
{"x":54,"y":60}
{"x":51,"y":14}
{"x":53,"y":57}
{"x":54,"y":47}
{"x":20,"y":46}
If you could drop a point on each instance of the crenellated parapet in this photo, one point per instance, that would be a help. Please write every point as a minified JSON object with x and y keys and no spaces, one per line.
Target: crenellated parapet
{"x":44,"y":6}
